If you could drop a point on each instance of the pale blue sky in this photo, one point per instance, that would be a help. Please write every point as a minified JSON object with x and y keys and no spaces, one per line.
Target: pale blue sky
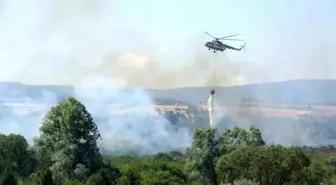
{"x":285,"y":39}
{"x":273,"y":27}
{"x":290,"y":34}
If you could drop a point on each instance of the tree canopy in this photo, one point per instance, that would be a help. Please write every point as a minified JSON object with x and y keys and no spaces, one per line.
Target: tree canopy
{"x":66,"y":152}
{"x":68,"y":141}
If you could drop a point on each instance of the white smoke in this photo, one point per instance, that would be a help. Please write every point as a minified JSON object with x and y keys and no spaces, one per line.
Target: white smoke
{"x":61,"y":42}
{"x":134,"y":131}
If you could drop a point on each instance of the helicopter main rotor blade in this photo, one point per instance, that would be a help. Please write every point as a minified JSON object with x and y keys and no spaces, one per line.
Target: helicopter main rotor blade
{"x":233,"y":39}
{"x":210,"y":35}
{"x":228,"y":36}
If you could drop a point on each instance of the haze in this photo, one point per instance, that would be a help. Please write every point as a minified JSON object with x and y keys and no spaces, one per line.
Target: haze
{"x":160,"y":44}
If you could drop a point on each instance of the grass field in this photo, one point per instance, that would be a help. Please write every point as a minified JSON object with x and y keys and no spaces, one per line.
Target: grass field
{"x":278,"y":111}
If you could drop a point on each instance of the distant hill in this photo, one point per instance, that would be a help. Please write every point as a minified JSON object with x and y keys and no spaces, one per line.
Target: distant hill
{"x":18,"y":92}
{"x":291,"y":92}
{"x":169,"y":101}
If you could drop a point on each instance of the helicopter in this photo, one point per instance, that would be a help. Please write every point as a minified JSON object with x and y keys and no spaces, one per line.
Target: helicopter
{"x":217,"y":45}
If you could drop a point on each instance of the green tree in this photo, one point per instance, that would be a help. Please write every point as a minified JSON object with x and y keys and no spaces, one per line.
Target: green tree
{"x":105,"y":176}
{"x":162,"y":157}
{"x":8,"y":179}
{"x":130,"y":176}
{"x":202,"y":156}
{"x":236,"y":164}
{"x":72,"y":182}
{"x":46,"y":178}
{"x":33,"y":179}
{"x":15,"y":156}
{"x":318,"y":173}
{"x":232,"y":139}
{"x":156,"y":172}
{"x":68,"y":139}
{"x":40,"y":178}
{"x":275,"y":164}
{"x":243,"y":181}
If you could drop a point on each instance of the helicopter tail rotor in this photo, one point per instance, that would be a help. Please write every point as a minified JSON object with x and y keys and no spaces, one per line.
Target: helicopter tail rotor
{"x":243,"y":46}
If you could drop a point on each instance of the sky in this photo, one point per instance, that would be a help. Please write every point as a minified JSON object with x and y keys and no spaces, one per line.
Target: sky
{"x":160,"y":44}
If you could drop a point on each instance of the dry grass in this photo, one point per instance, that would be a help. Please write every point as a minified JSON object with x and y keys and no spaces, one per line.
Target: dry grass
{"x":279,"y":111}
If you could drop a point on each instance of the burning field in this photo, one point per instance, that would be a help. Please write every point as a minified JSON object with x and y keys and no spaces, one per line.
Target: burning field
{"x":275,"y":111}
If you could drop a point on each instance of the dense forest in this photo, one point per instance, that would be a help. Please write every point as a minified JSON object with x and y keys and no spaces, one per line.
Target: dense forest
{"x":67,"y":152}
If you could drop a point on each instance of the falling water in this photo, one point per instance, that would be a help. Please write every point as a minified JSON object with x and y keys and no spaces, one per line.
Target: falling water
{"x":211,"y":110}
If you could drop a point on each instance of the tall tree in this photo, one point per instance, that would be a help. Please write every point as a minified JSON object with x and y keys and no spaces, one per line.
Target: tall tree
{"x":105,"y":176}
{"x":202,"y":155}
{"x":275,"y":164}
{"x":8,"y":179}
{"x":68,"y":140}
{"x":15,"y":155}
{"x":236,"y":164}
{"x":235,"y":138}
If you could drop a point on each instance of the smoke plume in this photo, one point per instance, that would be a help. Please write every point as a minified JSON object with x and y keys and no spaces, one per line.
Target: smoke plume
{"x":136,"y":131}
{"x":86,"y":44}
{"x":62,"y":42}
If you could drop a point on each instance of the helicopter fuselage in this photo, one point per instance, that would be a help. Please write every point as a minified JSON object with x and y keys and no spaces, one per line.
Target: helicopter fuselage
{"x":215,"y":45}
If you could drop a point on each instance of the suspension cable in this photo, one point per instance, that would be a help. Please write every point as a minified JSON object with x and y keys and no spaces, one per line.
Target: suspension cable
{"x":214,"y":71}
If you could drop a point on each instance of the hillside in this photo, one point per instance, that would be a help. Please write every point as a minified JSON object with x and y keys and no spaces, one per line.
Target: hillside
{"x":291,"y":92}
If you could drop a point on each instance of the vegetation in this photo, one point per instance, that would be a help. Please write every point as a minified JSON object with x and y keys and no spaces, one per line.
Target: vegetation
{"x":66,"y":152}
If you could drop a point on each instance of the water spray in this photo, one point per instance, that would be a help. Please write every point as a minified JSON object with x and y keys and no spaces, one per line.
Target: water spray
{"x":211,"y":107}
